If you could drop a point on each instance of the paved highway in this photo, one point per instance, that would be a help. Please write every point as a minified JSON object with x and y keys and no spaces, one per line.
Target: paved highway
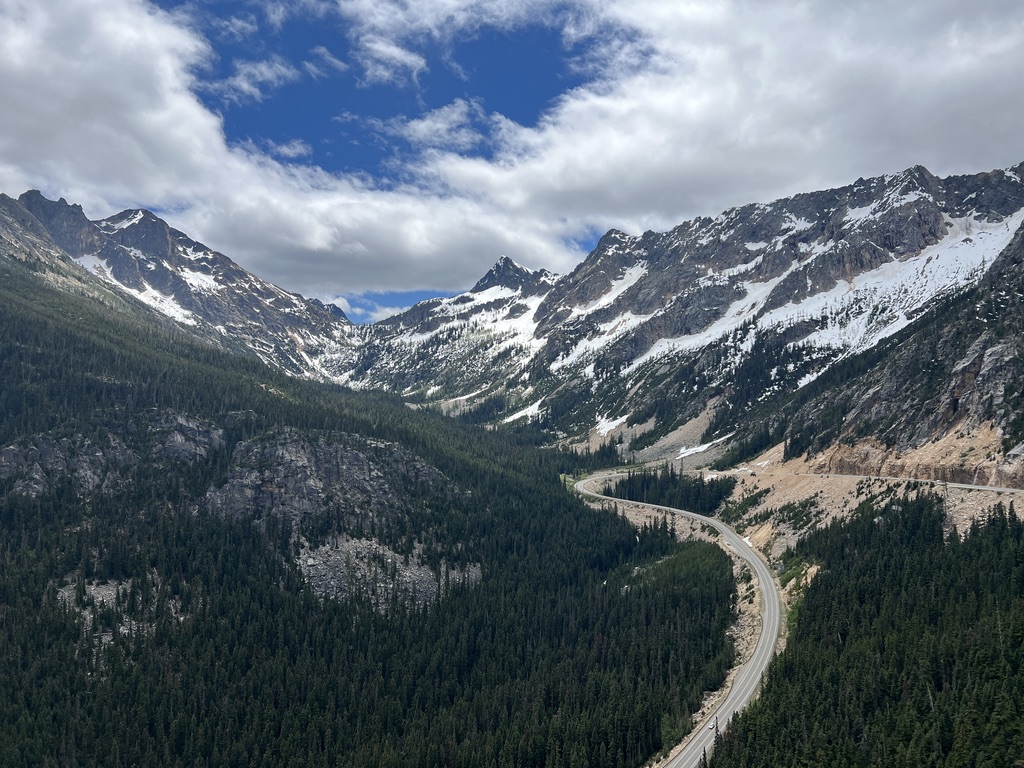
{"x":748,"y":678}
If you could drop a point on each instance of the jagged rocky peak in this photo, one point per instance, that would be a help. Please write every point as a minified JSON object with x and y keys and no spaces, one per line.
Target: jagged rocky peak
{"x":24,"y":238}
{"x":126,"y":218}
{"x":67,"y":224}
{"x":145,"y":231}
{"x":330,"y":308}
{"x":507,"y":273}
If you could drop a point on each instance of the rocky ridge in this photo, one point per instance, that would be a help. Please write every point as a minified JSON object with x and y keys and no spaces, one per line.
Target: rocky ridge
{"x":758,"y":301}
{"x":640,"y":338}
{"x":138,"y":254}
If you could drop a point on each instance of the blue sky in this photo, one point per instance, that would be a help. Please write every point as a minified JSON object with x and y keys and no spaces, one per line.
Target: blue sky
{"x":376,"y":152}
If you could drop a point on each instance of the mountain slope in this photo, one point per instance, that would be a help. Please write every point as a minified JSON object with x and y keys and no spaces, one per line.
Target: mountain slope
{"x":140,"y":255}
{"x":655,"y":327}
{"x":657,"y":338}
{"x":951,"y":377}
{"x":205,"y":561}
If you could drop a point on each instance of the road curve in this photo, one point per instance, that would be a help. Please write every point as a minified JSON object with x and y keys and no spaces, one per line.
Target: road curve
{"x":748,"y":679}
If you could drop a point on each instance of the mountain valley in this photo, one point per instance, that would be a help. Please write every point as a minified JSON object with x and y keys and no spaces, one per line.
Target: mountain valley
{"x":238,"y":529}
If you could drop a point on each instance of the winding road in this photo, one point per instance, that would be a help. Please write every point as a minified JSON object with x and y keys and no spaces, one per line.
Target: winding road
{"x":748,"y":678}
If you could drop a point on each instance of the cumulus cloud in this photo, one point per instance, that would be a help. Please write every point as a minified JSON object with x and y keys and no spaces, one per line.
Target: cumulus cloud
{"x":708,"y":105}
{"x":449,"y":127}
{"x":687,"y":109}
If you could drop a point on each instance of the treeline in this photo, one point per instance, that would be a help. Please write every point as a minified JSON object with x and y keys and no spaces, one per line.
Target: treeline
{"x":908,"y":649}
{"x":584,"y":643}
{"x":669,"y":488}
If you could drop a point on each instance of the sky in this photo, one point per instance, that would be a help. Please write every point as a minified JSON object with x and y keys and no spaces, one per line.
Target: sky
{"x":376,"y":152}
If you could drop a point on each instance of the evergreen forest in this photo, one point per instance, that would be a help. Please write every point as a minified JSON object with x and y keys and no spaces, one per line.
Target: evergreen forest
{"x":584,"y":642}
{"x":668,"y":487}
{"x":907,"y":650}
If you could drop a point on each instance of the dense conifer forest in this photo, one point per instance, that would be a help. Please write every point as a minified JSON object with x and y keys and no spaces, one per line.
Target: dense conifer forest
{"x":585,"y":642}
{"x":669,"y":488}
{"x":907,"y":650}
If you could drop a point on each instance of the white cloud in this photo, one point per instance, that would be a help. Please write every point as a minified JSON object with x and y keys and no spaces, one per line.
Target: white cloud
{"x":449,"y":127}
{"x":710,"y":105}
{"x":690,"y":108}
{"x":386,"y":32}
{"x":384,"y":61}
{"x":290,"y":150}
{"x":324,"y":62}
{"x":237,"y":27}
{"x":253,"y":79}
{"x":362,"y":310}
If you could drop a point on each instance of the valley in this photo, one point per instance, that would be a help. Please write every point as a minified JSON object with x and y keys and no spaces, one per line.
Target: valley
{"x":758,"y":645}
{"x":216,"y":492}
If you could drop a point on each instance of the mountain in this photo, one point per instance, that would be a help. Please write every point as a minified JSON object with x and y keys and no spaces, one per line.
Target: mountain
{"x":662,"y":341}
{"x":140,"y":255}
{"x":466,"y":346}
{"x":649,"y":332}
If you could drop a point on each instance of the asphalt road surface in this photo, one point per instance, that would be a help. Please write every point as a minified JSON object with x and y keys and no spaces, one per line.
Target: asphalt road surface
{"x":748,"y":679}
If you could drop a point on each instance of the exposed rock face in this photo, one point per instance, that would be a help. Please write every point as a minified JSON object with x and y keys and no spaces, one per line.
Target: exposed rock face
{"x":364,"y":495}
{"x":299,"y":479}
{"x":970,"y":458}
{"x":343,"y":566}
{"x":38,"y":464}
{"x":41,"y":463}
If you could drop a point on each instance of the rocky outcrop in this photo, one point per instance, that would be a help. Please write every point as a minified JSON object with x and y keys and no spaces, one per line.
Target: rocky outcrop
{"x":354,"y":506}
{"x":300,"y":477}
{"x":344,"y":566}
{"x":40,"y":464}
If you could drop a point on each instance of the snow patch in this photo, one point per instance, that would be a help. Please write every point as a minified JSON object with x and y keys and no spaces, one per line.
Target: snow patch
{"x":126,"y":222}
{"x":629,"y":278}
{"x":530,"y":412}
{"x":875,"y":305}
{"x":605,"y":425}
{"x":200,"y":281}
{"x":166,"y":305}
{"x":694,"y":450}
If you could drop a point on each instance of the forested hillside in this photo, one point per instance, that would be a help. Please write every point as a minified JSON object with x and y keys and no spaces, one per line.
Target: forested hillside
{"x":907,"y":650}
{"x":140,"y":626}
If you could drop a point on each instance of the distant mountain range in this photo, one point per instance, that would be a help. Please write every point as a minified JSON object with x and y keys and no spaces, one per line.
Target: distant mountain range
{"x":664,"y":340}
